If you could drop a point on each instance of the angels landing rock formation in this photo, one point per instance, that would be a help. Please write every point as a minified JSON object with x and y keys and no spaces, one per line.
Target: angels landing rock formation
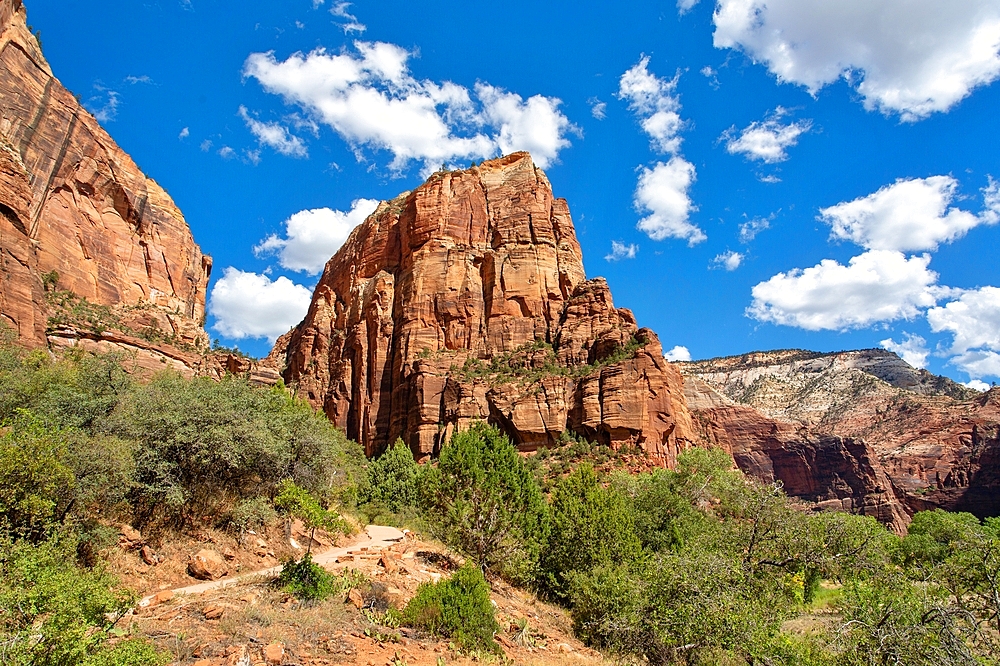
{"x":466,"y":299}
{"x":79,"y":220}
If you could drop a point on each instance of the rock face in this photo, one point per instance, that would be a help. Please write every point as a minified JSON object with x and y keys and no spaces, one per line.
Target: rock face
{"x":860,"y":431}
{"x":466,"y":299}
{"x":78,"y":218}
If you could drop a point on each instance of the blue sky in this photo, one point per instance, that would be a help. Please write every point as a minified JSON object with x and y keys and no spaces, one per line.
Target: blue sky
{"x":748,"y":174}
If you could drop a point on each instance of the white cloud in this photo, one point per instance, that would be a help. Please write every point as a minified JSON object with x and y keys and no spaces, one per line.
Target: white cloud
{"x":877,"y":286}
{"x":248,"y":305}
{"x":185,"y":133}
{"x":978,"y":364}
{"x":911,"y":57}
{"x":684,"y":6}
{"x":907,"y":215}
{"x":977,"y":385}
{"x":620,"y":250}
{"x":598,"y":109}
{"x":206,"y":145}
{"x":104,"y":105}
{"x":535,"y":125}
{"x":227,"y":153}
{"x":351,"y":23}
{"x":767,"y":140}
{"x":974,"y":319}
{"x":663,"y":192}
{"x":729,"y":260}
{"x":655,"y":101}
{"x":138,"y":79}
{"x":678,"y":353}
{"x":912,"y":349}
{"x":991,"y":201}
{"x":370,"y":98}
{"x":313,"y":236}
{"x":750,"y":228}
{"x":274,"y":135}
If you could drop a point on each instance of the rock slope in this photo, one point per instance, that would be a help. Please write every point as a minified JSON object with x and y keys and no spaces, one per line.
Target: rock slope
{"x":81,"y":222}
{"x":466,"y":299}
{"x":861,"y":430}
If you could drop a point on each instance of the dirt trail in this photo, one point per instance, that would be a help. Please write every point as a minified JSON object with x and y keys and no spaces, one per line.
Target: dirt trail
{"x":379,"y":538}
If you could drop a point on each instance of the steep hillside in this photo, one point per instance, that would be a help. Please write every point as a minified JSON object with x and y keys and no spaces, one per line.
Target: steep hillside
{"x":466,"y":299}
{"x":858,"y":430}
{"x":92,"y":251}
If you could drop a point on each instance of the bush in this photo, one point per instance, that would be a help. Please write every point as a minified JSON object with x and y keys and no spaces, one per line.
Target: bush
{"x":590,"y":527}
{"x":458,"y":608}
{"x":391,"y":480}
{"x":484,"y":501}
{"x":56,"y":613}
{"x":36,"y":484}
{"x":300,"y":503}
{"x":307,"y":580}
{"x":251,"y":514}
{"x":131,"y":652}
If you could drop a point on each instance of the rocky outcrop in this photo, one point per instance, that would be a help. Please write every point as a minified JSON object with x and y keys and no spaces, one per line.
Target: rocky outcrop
{"x":466,"y":299}
{"x":80,"y":220}
{"x":852,"y":430}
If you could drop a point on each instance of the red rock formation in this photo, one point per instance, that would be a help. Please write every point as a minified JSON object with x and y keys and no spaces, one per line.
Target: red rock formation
{"x":466,"y":299}
{"x":73,"y":204}
{"x":886,"y":452}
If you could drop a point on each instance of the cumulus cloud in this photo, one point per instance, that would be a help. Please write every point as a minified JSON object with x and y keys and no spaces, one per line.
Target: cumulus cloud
{"x":370,"y":98}
{"x":655,"y":101}
{"x":767,"y":140}
{"x":973,"y":318}
{"x":535,"y":125}
{"x":104,"y":104}
{"x":663,"y":193}
{"x":184,"y":133}
{"x":911,"y":57}
{"x":977,"y":385}
{"x":684,"y":6}
{"x":907,"y":215}
{"x":248,"y":305}
{"x":678,"y":353}
{"x":313,"y":236}
{"x":978,"y":364}
{"x":750,"y":228}
{"x":274,"y":135}
{"x":912,"y":349}
{"x":729,"y":260}
{"x":620,"y":250}
{"x":877,"y":286}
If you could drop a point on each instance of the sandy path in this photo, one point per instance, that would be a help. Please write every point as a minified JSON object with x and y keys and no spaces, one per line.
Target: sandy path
{"x":379,"y":537}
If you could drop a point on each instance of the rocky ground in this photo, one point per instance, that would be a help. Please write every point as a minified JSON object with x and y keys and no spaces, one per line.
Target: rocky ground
{"x":241,"y":619}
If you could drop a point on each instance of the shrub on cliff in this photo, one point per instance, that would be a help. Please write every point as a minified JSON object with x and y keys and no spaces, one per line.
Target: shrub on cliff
{"x":484,"y":501}
{"x":458,"y":608}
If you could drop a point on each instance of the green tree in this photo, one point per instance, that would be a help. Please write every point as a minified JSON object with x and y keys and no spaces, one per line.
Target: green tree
{"x":300,"y":503}
{"x":391,"y":479}
{"x":458,"y":608}
{"x":484,"y":501}
{"x":591,"y":526}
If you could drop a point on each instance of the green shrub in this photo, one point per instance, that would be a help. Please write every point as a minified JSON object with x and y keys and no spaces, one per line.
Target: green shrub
{"x":130,"y":652}
{"x":300,"y":503}
{"x":36,"y":484}
{"x":307,"y":580}
{"x":483,"y":500}
{"x":458,"y":608}
{"x":56,"y":613}
{"x":252,"y":514}
{"x":591,"y":526}
{"x":391,"y":480}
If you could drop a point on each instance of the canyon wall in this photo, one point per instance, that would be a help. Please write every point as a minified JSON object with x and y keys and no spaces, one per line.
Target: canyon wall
{"x":466,"y":299}
{"x":92,"y":251}
{"x":859,"y":430}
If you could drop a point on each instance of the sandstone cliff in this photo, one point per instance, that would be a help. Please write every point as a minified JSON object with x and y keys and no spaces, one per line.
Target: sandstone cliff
{"x":91,"y":250}
{"x":466,"y":299}
{"x":861,"y":430}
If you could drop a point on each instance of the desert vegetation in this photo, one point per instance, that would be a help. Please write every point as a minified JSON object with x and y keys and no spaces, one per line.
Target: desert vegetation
{"x":697,"y":565}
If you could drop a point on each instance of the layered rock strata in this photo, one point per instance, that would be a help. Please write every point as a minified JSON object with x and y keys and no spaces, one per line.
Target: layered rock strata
{"x":467,"y":299}
{"x":860,"y":431}
{"x":79,"y":219}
